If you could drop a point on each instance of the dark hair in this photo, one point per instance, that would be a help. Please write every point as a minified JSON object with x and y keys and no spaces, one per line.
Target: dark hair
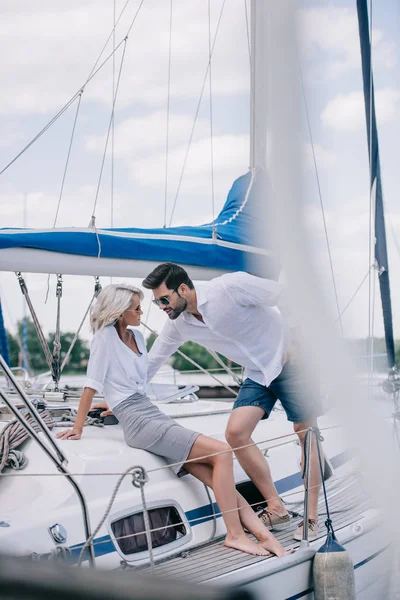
{"x":169,"y":273}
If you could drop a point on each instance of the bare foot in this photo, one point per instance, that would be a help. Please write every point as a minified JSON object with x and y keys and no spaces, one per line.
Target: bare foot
{"x":244,"y":544}
{"x":272,"y":545}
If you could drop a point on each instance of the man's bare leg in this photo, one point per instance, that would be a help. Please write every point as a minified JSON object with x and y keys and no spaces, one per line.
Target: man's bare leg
{"x":241,"y":425}
{"x":315,"y":476}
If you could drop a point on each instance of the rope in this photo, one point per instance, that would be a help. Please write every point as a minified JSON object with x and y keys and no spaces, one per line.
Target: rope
{"x":139,"y":479}
{"x":109,"y":506}
{"x":13,"y":435}
{"x":69,"y":418}
{"x":196,"y":115}
{"x":196,"y":519}
{"x":212,"y":508}
{"x":113,"y":474}
{"x":328,"y":522}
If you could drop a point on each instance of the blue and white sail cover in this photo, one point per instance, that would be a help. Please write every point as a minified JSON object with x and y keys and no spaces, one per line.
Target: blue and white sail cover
{"x":235,"y":240}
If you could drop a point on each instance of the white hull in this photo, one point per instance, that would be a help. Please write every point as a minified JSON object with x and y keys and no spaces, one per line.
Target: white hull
{"x":32,"y":503}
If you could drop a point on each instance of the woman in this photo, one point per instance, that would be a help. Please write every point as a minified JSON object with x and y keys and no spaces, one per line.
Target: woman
{"x":118,"y":366}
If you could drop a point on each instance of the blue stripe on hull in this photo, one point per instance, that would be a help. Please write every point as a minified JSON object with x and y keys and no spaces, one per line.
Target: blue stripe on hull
{"x":202,"y":514}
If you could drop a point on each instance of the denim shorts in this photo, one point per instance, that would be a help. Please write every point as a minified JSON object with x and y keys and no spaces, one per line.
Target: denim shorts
{"x":289,"y":388}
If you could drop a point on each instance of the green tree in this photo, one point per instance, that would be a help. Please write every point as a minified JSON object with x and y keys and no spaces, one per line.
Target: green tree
{"x":195,"y":352}
{"x":36,"y":358}
{"x":200,"y":355}
{"x":13,"y":349}
{"x":150,"y":341}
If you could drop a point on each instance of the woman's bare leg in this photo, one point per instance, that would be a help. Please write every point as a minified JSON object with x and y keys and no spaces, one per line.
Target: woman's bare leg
{"x":247,"y":516}
{"x":253,"y":524}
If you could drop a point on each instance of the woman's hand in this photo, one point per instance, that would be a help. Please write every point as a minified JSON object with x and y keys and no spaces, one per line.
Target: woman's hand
{"x":70,"y":434}
{"x":104,"y":405}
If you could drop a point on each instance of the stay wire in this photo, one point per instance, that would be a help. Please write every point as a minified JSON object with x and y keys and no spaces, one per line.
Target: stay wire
{"x":195,"y":117}
{"x":63,"y":180}
{"x":355,"y":293}
{"x":247,"y":31}
{"x":109,"y":130}
{"x":113,"y":125}
{"x":68,"y":157}
{"x":211,"y":113}
{"x":92,"y":74}
{"x":168,"y":104}
{"x":321,"y":201}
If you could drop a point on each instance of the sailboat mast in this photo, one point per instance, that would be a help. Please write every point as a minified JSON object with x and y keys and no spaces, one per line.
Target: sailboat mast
{"x":381,"y":257}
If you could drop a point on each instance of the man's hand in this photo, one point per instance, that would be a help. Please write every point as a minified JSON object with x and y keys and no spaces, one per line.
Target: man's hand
{"x":103,"y":405}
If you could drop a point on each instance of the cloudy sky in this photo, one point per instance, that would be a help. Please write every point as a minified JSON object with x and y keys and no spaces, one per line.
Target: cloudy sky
{"x":51,"y":48}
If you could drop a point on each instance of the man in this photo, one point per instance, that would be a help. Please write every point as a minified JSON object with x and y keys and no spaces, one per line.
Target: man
{"x":237,"y":315}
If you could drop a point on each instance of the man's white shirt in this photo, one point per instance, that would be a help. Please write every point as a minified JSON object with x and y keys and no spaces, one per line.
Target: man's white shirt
{"x":243,"y":320}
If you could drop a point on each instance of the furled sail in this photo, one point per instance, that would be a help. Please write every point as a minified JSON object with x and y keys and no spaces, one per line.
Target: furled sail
{"x":381,"y":257}
{"x":233,"y":241}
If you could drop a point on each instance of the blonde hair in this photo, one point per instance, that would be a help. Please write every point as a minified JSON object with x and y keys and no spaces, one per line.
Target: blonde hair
{"x":112,"y":301}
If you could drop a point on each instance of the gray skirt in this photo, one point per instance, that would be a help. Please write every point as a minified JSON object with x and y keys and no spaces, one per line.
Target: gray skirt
{"x":146,"y":427}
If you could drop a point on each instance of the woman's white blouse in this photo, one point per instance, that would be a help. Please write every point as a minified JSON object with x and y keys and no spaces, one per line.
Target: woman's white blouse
{"x":114,"y":369}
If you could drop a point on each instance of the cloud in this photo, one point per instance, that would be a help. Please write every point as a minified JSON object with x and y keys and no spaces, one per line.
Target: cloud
{"x":346,"y":111}
{"x":145,"y":135}
{"x":231,"y":154}
{"x":52,"y":49}
{"x":330,"y":35}
{"x":324,"y":158}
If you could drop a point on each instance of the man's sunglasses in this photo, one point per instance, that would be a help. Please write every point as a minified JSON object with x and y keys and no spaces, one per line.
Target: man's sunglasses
{"x":164,"y":300}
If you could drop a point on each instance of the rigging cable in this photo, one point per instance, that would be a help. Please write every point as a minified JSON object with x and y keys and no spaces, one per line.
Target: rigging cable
{"x":97,"y":290}
{"x":194,"y":363}
{"x":355,"y":293}
{"x":196,"y":115}
{"x":321,"y":202}
{"x":168,"y":102}
{"x":68,"y":157}
{"x":92,"y":74}
{"x":247,"y":31}
{"x":63,"y":180}
{"x":113,"y":123}
{"x":211,"y":113}
{"x":108,"y":134}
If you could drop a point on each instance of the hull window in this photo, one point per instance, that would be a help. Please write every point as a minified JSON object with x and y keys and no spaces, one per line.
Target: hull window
{"x":129,"y":531}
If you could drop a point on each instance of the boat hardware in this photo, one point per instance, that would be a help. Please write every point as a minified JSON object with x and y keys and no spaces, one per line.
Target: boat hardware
{"x":59,"y":459}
